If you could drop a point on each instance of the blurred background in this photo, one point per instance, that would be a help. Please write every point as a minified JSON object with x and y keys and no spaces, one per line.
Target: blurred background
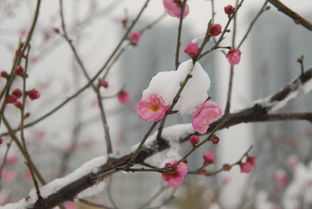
{"x":74,"y":134}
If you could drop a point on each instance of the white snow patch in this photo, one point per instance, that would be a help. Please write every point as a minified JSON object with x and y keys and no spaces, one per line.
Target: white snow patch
{"x":51,"y":188}
{"x":92,"y":191}
{"x":173,"y":134}
{"x":167,"y":84}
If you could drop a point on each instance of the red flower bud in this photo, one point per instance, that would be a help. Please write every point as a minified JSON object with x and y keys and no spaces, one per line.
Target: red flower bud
{"x":229,"y":10}
{"x":215,"y":29}
{"x":17,"y":92}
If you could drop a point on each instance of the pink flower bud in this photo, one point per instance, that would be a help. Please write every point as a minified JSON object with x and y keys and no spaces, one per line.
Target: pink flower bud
{"x":4,"y":74}
{"x":194,"y":139}
{"x":151,"y":108}
{"x":11,"y":99}
{"x":104,"y":84}
{"x":233,"y":56}
{"x":174,"y":8}
{"x":18,"y":104}
{"x":229,"y":10}
{"x":123,"y":97}
{"x":17,"y":92}
{"x":33,"y":94}
{"x":19,"y":70}
{"x":215,"y":29}
{"x":1,"y":140}
{"x":215,"y":139}
{"x":192,"y":49}
{"x":209,"y":157}
{"x":135,"y":37}
{"x":177,"y":174}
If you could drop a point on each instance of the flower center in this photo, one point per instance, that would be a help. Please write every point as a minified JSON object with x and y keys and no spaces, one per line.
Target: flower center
{"x":155,"y":107}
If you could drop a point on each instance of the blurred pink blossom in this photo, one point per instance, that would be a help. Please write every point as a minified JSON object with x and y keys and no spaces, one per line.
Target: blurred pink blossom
{"x":281,"y":178}
{"x":152,"y":108}
{"x":175,"y":179}
{"x":209,"y":157}
{"x":204,"y":115}
{"x":123,"y":97}
{"x":293,"y":161}
{"x":7,"y":175}
{"x":70,"y":205}
{"x":12,"y":160}
{"x":173,"y":8}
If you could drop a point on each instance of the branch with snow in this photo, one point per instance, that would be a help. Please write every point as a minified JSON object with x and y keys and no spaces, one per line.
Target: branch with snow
{"x":93,"y":172}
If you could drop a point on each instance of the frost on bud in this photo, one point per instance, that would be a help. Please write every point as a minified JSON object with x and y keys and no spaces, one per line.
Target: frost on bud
{"x":33,"y":94}
{"x":4,"y":74}
{"x":123,"y":97}
{"x":229,"y":10}
{"x":104,"y":84}
{"x":215,"y":139}
{"x":233,"y":56}
{"x":151,"y":108}
{"x":174,"y":8}
{"x":19,"y":70}
{"x":209,"y":157}
{"x":194,"y":140}
{"x":215,"y":29}
{"x":17,"y":92}
{"x":18,"y":104}
{"x":192,"y":49}
{"x":11,"y":99}
{"x":134,"y":38}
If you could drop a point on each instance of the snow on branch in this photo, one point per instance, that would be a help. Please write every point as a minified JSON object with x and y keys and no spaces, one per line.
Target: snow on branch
{"x":92,"y":172}
{"x":292,"y":90}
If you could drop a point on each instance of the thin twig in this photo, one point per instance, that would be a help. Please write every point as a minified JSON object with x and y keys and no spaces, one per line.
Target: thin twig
{"x":178,"y":45}
{"x":290,"y":13}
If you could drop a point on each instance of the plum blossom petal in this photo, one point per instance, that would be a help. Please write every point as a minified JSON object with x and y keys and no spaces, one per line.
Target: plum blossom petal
{"x":204,"y":115}
{"x":173,"y":8}
{"x":175,"y":179}
{"x":152,"y":108}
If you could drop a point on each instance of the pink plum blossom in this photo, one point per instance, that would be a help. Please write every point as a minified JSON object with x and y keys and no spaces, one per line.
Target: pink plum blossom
{"x":233,"y":56}
{"x":246,"y":167}
{"x":135,"y":37}
{"x":205,"y":114}
{"x":209,"y":157}
{"x":176,"y":178}
{"x":192,"y":49}
{"x":152,"y":108}
{"x":123,"y":97}
{"x":251,"y":160}
{"x":173,"y":8}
